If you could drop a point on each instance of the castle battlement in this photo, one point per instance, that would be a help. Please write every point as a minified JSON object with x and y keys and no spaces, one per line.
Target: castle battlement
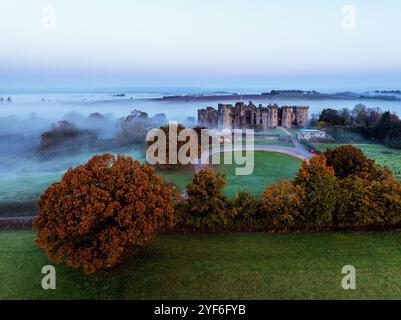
{"x":250,"y":116}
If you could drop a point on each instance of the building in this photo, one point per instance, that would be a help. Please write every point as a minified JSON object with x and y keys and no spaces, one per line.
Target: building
{"x":249,"y":116}
{"x":309,"y":134}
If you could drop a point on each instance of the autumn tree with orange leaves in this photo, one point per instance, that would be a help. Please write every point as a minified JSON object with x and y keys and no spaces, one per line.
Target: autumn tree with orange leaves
{"x":102,"y":211}
{"x":350,"y":161}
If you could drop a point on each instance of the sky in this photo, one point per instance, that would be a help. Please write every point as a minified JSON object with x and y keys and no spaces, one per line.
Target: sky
{"x":303,"y":44}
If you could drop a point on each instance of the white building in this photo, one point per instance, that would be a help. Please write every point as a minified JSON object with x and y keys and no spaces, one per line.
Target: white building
{"x":308,"y":134}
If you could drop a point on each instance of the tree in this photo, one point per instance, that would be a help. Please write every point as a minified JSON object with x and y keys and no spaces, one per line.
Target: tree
{"x":102,"y":211}
{"x":205,"y":205}
{"x":351,"y":161}
{"x":359,"y":115}
{"x":319,"y":186}
{"x":393,"y":136}
{"x":65,"y":137}
{"x":281,"y":204}
{"x":132,"y":129}
{"x":332,"y":118}
{"x":244,"y":210}
{"x":364,"y":203}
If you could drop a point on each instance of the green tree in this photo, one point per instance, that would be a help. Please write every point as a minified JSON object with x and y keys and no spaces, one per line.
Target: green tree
{"x":320,"y":187}
{"x":204,"y":205}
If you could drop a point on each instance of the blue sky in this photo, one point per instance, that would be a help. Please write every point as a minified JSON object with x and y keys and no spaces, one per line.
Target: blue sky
{"x":199,"y":42}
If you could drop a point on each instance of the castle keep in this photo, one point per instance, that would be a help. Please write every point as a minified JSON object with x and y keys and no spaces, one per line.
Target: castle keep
{"x":249,"y":116}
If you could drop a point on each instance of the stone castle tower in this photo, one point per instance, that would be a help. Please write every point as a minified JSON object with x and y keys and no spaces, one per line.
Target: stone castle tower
{"x":242,"y":116}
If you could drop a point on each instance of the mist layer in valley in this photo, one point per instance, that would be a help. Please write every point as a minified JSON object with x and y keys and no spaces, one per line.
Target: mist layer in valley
{"x":41,"y":136}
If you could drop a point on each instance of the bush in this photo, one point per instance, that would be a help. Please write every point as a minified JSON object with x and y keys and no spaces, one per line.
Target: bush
{"x":102,"y":211}
{"x":281,"y":204}
{"x":205,"y":205}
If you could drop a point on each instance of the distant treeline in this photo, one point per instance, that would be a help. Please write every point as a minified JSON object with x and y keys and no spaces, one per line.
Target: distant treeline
{"x":66,"y":137}
{"x":369,"y":123}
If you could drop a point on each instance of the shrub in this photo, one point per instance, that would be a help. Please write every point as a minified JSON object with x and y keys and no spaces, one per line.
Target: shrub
{"x":205,"y":206}
{"x":102,"y":211}
{"x":281,"y":204}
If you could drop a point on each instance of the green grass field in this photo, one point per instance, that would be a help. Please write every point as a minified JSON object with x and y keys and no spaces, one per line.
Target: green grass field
{"x":381,"y":154}
{"x":180,"y":176}
{"x":268,"y":168}
{"x":217,"y":266}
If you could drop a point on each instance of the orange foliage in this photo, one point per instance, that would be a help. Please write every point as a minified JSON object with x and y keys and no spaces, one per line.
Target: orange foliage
{"x":102,"y":211}
{"x":314,"y":167}
{"x":281,"y":203}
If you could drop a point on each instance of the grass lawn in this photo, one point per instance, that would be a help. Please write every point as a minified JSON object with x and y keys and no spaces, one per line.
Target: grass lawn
{"x":180,"y":176}
{"x":276,"y":131}
{"x":274,"y":143}
{"x":383,"y":155}
{"x":259,"y":141}
{"x":268,"y":168}
{"x":218,"y":266}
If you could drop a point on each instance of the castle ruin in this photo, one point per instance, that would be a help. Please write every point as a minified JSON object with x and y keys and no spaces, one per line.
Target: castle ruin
{"x":249,"y":116}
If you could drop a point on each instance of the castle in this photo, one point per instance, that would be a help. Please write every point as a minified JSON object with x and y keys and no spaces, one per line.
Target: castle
{"x":243,"y":116}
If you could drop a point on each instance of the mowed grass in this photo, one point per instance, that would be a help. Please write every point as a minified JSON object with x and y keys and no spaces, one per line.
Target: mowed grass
{"x":383,"y":155}
{"x":180,"y":176}
{"x":217,"y":266}
{"x":268,"y":167}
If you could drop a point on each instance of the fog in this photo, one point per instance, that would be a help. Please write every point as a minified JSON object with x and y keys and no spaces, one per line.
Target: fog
{"x":34,"y":152}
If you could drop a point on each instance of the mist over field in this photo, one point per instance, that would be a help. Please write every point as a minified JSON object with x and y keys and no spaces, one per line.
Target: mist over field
{"x":34,"y":150}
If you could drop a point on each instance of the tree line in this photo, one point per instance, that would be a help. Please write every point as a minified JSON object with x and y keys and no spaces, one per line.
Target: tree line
{"x":370,"y":123}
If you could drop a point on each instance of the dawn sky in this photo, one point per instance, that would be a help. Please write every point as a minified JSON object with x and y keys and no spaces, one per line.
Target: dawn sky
{"x":177,"y":42}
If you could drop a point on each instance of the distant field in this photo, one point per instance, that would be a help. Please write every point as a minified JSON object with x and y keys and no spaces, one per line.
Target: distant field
{"x":217,"y":266}
{"x":383,"y":155}
{"x":268,"y":168}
